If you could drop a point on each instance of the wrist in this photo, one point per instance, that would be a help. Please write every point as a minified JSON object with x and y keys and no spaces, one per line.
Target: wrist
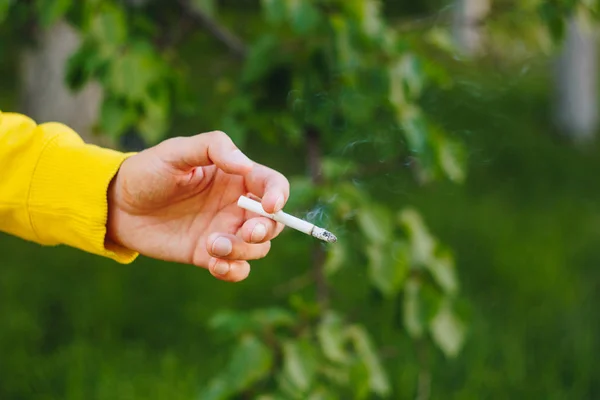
{"x":113,"y":215}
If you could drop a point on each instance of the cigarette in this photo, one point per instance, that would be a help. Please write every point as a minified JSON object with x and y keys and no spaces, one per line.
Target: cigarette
{"x":288,"y":220}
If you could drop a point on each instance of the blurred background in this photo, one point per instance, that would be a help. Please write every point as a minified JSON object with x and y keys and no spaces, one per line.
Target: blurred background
{"x":450,"y":144}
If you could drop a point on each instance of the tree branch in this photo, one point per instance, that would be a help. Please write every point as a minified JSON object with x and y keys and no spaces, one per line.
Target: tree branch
{"x":314,"y":160}
{"x":233,"y":43}
{"x":424,"y":380}
{"x":293,"y":285}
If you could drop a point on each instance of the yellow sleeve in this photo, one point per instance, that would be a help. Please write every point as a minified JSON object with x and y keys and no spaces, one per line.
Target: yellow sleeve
{"x":53,"y":186}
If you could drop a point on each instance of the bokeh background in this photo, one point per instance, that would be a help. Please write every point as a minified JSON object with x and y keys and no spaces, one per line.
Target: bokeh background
{"x":451,"y":146}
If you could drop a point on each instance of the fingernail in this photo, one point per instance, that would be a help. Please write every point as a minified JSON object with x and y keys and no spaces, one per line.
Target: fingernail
{"x":221,"y":268}
{"x":221,"y":247}
{"x":279,"y":204}
{"x":240,"y":158}
{"x":258,"y":233}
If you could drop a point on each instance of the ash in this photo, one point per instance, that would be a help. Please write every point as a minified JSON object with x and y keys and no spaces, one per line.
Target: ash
{"x":324,"y":235}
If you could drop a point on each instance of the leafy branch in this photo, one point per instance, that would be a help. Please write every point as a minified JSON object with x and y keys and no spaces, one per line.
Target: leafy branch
{"x":219,"y":32}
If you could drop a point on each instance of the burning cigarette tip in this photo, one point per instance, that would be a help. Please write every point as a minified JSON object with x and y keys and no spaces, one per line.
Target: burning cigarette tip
{"x":288,"y":220}
{"x":324,"y":235}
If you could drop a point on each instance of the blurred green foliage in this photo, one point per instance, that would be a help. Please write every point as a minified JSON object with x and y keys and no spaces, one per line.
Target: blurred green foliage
{"x":375,"y":129}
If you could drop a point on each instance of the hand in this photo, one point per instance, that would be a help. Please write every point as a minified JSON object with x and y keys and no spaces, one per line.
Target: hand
{"x":177,"y":201}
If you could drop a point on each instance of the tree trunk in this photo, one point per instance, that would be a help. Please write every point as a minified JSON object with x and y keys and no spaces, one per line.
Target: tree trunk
{"x":468,"y":31}
{"x":576,"y":83}
{"x":45,"y":97}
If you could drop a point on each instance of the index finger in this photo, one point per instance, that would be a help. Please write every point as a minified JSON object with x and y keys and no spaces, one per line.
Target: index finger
{"x":270,"y":185}
{"x":206,"y":149}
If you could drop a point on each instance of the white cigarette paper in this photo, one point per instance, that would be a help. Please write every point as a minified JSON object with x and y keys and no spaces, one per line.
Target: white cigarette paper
{"x":288,"y":220}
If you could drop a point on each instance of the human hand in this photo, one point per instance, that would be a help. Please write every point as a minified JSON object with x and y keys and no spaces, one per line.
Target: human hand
{"x":177,"y":201}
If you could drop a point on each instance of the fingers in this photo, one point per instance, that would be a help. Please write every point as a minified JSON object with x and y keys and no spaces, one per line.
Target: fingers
{"x":217,"y":148}
{"x":229,"y":271}
{"x":259,"y":230}
{"x":205,"y":149}
{"x":229,"y":253}
{"x":231,"y":247}
{"x":270,"y":185}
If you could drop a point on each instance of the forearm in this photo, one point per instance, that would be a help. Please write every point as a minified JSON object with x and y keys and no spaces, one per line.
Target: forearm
{"x":54,"y":186}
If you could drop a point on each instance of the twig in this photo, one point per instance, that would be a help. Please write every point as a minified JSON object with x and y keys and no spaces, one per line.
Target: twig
{"x":235,"y":45}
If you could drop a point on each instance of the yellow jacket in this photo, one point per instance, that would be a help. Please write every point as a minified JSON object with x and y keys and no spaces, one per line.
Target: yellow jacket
{"x":53,"y":186}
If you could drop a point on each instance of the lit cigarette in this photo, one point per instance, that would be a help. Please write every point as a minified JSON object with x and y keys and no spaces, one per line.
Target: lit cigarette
{"x":288,"y":220}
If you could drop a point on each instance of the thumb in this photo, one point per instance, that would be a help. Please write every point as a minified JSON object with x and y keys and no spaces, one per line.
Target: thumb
{"x":211,"y":148}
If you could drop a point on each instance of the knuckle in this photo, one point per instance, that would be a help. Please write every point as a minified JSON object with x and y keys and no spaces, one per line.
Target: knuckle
{"x":218,"y":136}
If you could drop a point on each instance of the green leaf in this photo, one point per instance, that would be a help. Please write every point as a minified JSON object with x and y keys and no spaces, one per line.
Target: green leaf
{"x":5,"y":8}
{"x":50,"y":11}
{"x":397,"y":96}
{"x":422,"y":244}
{"x":275,"y":10}
{"x":299,"y":363}
{"x":367,"y":14}
{"x":351,"y":193}
{"x":378,"y":379}
{"x":337,"y":374}
{"x":303,"y":14}
{"x":553,"y":16}
{"x":443,"y":271}
{"x":306,"y":307}
{"x":115,"y":117}
{"x":154,"y":121}
{"x":416,"y":131}
{"x":273,"y":317}
{"x":322,"y":393}
{"x":421,"y":304}
{"x":337,"y":168}
{"x":262,"y":57}
{"x":370,"y":19}
{"x":290,"y":128}
{"x":271,"y":397}
{"x":376,"y":223}
{"x":346,"y":55}
{"x":251,"y":361}
{"x":109,"y":28}
{"x":442,"y":39}
{"x":83,"y":65}
{"x":335,"y":259}
{"x":412,"y":75}
{"x":412,"y":315}
{"x":234,"y":323}
{"x":230,"y":323}
{"x":358,"y":109}
{"x":388,"y":266}
{"x":134,"y":71}
{"x":302,"y":193}
{"x":447,"y":331}
{"x":332,"y":338}
{"x":360,"y":380}
{"x":451,"y":158}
